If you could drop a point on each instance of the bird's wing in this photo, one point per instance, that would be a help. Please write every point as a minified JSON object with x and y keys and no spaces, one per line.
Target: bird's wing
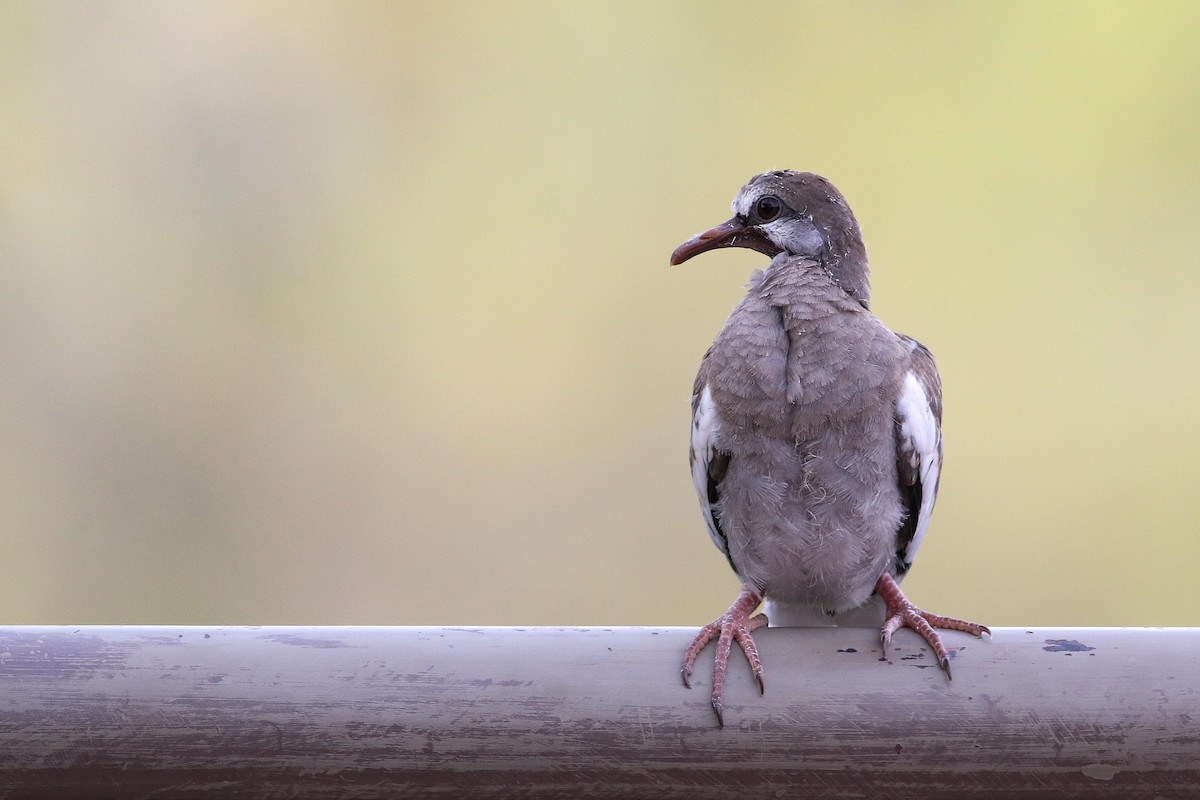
{"x":918,"y":449}
{"x":709,"y":462}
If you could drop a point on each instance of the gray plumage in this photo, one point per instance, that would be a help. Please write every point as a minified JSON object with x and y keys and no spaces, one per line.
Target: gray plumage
{"x":807,"y":463}
{"x":816,"y":431}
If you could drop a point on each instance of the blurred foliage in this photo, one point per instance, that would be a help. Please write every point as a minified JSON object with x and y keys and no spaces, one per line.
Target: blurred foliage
{"x":361,"y":313}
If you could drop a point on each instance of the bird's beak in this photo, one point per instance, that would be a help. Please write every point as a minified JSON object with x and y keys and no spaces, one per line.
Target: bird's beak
{"x":733,"y":233}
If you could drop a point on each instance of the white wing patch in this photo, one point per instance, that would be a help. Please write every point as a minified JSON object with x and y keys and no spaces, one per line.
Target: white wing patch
{"x":921,"y":437}
{"x":704,"y":427}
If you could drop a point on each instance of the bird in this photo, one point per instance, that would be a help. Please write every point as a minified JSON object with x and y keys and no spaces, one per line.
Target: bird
{"x":816,"y":443}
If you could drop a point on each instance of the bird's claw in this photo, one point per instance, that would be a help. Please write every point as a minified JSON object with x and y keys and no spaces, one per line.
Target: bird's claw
{"x":903,"y":614}
{"x":735,"y":625}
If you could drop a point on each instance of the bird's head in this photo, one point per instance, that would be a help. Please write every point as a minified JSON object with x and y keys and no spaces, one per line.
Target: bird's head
{"x":793,"y":213}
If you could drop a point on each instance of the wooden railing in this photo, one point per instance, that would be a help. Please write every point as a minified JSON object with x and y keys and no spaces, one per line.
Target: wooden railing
{"x":350,"y":712}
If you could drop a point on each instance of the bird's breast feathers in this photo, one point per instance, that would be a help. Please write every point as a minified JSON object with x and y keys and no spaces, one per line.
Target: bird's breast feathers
{"x":865,"y":437}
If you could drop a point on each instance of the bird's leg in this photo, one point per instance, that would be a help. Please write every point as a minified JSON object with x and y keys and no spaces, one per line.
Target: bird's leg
{"x":903,"y":614}
{"x":735,"y":625}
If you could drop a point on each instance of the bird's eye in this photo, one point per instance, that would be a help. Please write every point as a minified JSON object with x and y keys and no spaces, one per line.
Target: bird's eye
{"x":767,"y":208}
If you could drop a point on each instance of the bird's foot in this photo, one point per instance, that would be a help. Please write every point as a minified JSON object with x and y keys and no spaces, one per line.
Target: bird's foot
{"x":735,"y":625}
{"x":903,"y":614}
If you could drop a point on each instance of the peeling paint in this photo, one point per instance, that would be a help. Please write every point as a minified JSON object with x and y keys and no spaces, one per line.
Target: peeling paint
{"x":305,"y":641}
{"x":1101,"y":772}
{"x":1067,"y":646}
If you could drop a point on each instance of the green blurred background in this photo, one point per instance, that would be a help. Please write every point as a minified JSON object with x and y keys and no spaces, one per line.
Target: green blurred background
{"x":361,"y":313}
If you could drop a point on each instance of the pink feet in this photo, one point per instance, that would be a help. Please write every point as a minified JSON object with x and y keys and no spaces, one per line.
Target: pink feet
{"x":736,"y":624}
{"x":903,"y":614}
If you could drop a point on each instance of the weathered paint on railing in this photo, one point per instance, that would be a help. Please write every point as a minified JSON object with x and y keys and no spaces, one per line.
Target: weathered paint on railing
{"x":352,"y":712}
